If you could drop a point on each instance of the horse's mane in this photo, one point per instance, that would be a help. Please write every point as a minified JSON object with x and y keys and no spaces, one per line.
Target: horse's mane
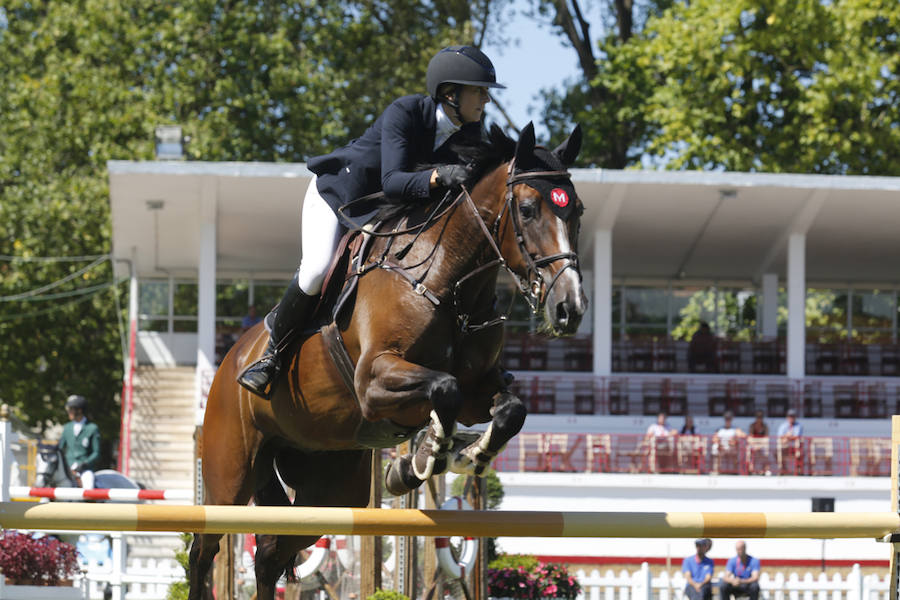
{"x":480,"y":156}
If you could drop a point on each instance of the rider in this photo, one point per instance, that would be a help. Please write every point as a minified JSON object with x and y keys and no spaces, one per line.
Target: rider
{"x":413,"y":130}
{"x":80,"y":441}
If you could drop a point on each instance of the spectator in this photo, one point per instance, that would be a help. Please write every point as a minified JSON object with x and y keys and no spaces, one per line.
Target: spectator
{"x":758,"y":427}
{"x":688,"y":427}
{"x":790,"y":428}
{"x":250,"y":319}
{"x":702,"y":350}
{"x":698,"y":570}
{"x":660,"y":429}
{"x":728,"y":433}
{"x":725,"y":445}
{"x":789,"y":434}
{"x":741,"y":575}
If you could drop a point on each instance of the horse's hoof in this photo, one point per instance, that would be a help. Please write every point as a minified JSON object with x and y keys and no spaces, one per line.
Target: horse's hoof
{"x":470,"y":459}
{"x":432,"y":456}
{"x":399,"y":478}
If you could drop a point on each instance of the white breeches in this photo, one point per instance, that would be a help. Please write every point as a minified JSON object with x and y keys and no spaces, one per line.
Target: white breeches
{"x":320,"y":234}
{"x":87,"y":480}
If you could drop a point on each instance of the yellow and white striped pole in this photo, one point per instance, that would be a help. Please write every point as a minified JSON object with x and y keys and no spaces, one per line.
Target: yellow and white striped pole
{"x":375,"y":521}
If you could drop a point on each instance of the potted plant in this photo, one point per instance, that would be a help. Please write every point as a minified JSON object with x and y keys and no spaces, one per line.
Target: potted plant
{"x":37,"y":567}
{"x":523,"y":577}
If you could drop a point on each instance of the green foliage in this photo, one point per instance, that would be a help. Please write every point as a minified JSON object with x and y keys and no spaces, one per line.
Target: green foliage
{"x":735,"y":318}
{"x":775,"y":86}
{"x":387,"y":595}
{"x":493,"y":486}
{"x":514,"y":561}
{"x":179,"y":589}
{"x":88,"y":81}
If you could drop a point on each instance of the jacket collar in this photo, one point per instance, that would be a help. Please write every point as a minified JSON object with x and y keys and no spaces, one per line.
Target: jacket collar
{"x":429,"y":119}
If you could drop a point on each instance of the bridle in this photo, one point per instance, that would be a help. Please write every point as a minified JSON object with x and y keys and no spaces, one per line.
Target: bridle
{"x":533,"y":286}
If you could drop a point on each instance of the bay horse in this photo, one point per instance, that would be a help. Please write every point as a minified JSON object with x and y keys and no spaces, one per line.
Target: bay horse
{"x":425,"y":337}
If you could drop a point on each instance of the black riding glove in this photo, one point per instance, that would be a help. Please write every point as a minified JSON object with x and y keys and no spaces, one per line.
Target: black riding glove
{"x":452,"y":176}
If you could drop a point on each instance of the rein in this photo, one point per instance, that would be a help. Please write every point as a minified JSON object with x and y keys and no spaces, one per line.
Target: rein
{"x":533,"y":287}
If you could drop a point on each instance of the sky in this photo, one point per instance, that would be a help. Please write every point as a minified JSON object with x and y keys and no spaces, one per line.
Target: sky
{"x":539,"y":60}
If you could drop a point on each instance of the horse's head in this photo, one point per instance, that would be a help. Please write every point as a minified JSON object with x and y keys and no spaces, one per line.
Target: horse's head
{"x":539,"y":229}
{"x":46,"y":465}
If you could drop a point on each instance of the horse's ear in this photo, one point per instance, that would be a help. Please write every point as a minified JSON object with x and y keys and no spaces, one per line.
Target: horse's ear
{"x":503,"y":142}
{"x":525,"y":146}
{"x":568,"y":150}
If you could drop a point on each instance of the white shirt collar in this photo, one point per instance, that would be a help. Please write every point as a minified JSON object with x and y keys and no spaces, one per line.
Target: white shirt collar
{"x":444,"y":129}
{"x":77,"y":425}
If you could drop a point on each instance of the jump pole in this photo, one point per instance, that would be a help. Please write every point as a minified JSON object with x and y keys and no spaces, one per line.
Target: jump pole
{"x":375,"y":521}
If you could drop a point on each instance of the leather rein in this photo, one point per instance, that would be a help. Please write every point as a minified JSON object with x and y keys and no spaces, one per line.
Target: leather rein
{"x":533,"y":287}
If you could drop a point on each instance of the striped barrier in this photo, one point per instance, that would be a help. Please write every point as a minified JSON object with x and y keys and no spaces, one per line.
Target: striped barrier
{"x":113,"y":494}
{"x":411,"y":522}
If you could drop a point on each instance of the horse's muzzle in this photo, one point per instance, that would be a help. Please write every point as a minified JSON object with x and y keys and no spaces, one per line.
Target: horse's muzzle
{"x":565,"y":307}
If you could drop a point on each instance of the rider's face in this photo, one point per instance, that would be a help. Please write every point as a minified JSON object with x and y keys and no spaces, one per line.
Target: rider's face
{"x":471,"y":102}
{"x":74,"y":414}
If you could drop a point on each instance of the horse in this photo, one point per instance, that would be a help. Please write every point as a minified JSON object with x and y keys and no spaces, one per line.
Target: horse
{"x":52,"y":470}
{"x":423,"y":336}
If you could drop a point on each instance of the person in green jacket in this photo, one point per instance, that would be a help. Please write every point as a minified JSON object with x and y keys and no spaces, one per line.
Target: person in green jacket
{"x":80,"y":441}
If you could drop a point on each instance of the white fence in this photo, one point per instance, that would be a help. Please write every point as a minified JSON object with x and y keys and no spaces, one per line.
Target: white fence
{"x":641,"y":585}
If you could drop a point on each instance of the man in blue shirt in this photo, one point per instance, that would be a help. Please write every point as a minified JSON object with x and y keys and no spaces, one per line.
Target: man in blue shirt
{"x":698,"y":570}
{"x":741,"y":575}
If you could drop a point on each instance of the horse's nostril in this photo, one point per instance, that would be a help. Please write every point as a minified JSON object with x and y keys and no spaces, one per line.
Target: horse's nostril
{"x":562,"y":313}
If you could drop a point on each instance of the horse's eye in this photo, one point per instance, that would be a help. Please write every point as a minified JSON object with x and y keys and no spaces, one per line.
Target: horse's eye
{"x":527,"y":210}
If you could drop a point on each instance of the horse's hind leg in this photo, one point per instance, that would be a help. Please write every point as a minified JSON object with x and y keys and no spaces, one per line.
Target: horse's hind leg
{"x":274,"y":553}
{"x":203,"y":551}
{"x":319,"y":479}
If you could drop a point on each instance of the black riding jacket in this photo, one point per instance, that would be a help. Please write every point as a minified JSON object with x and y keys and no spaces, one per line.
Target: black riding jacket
{"x":386,"y":155}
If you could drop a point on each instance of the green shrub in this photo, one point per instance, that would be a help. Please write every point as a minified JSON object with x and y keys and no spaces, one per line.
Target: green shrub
{"x":514,"y":561}
{"x":387,"y":595}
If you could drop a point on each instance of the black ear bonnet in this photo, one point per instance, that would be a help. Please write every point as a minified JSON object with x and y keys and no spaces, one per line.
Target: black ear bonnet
{"x":557,"y":192}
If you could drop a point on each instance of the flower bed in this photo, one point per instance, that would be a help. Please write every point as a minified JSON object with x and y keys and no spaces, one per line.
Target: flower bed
{"x":524,"y":578}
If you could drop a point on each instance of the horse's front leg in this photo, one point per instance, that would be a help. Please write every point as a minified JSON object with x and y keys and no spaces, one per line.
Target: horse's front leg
{"x":406,"y":393}
{"x":507,"y":414}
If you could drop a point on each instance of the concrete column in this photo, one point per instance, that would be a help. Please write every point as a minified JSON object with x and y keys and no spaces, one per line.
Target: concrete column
{"x":602,"y":302}
{"x":206,"y":294}
{"x":768,"y":305}
{"x":796,"y":287}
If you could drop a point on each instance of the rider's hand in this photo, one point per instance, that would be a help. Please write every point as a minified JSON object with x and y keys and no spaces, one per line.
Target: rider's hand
{"x":451,"y":176}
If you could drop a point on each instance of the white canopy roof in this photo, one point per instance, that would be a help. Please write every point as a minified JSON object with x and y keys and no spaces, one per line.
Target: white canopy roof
{"x":689,"y":225}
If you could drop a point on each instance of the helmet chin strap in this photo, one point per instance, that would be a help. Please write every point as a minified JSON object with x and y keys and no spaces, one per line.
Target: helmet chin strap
{"x":450,"y":100}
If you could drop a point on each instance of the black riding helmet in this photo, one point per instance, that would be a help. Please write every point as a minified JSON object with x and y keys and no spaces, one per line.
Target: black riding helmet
{"x":76,"y":401}
{"x":464,"y":65}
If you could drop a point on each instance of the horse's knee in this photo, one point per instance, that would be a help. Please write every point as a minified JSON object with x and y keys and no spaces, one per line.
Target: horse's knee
{"x":509,"y":414}
{"x":443,"y":391}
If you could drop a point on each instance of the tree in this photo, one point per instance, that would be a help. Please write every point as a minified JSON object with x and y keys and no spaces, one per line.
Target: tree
{"x":777,"y":86}
{"x":771,"y":86}
{"x":745,"y":85}
{"x":608,"y":99}
{"x":87,"y":81}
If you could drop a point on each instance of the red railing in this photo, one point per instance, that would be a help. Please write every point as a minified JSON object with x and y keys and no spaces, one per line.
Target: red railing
{"x":698,"y":395}
{"x":697,"y":454}
{"x":531,"y":352}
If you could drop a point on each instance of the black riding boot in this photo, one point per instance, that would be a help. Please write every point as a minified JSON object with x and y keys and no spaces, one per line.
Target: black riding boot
{"x":291,"y":314}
